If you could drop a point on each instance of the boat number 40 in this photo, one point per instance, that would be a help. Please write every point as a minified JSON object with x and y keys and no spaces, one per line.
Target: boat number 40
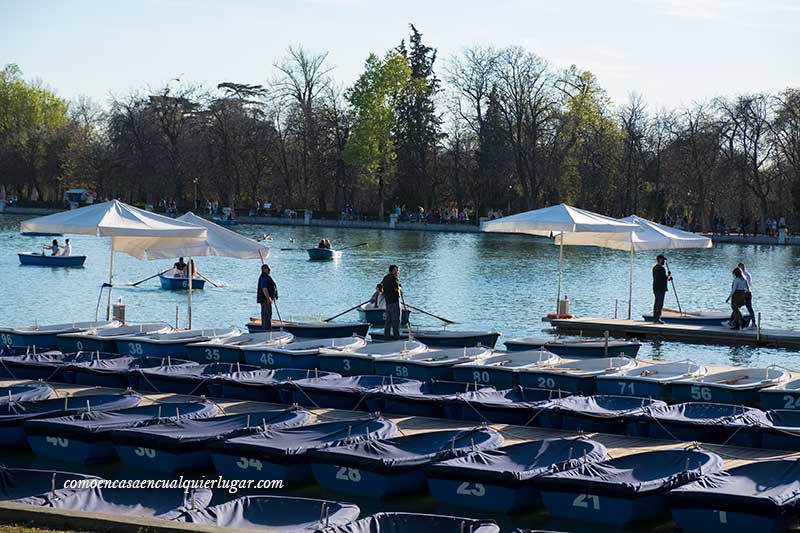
{"x":471,"y":489}
{"x":700,"y":393}
{"x":344,"y":473}
{"x":587,"y":501}
{"x":57,"y":441}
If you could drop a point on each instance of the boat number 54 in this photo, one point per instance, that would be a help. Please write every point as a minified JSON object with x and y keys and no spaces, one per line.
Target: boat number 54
{"x":700,"y":393}
{"x":348,"y":474}
{"x":587,"y":501}
{"x":471,"y":489}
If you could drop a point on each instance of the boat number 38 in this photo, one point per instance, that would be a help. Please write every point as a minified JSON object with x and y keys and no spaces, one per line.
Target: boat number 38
{"x":135,"y":348}
{"x":344,"y":473}
{"x":700,"y":393}
{"x":587,"y":501}
{"x":471,"y":489}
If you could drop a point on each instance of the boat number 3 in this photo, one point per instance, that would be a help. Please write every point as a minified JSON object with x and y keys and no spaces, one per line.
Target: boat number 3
{"x":471,"y":489}
{"x":79,"y":345}
{"x":623,"y":387}
{"x":57,"y":441}
{"x":791,"y":402}
{"x":6,"y":339}
{"x":700,"y":393}
{"x":212,"y":355}
{"x":348,"y":474}
{"x":480,"y":377}
{"x":145,"y":452}
{"x":244,"y":463}
{"x":346,"y":364}
{"x":583,"y":501}
{"x":401,"y":371}
{"x":547,"y":383}
{"x":135,"y":348}
{"x":266,"y":359}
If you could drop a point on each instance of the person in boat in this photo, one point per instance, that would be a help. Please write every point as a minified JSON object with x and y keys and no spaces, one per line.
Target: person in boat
{"x":67,"y":249}
{"x":192,"y":271}
{"x":378,"y":299}
{"x":737,"y":298}
{"x":660,"y":279}
{"x":392,"y":291}
{"x":267,"y":294}
{"x":321,"y":243}
{"x":749,"y":297}
{"x":180,"y":267}
{"x":55,"y":247}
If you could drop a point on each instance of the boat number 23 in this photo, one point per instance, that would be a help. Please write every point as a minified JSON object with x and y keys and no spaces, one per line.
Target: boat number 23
{"x":471,"y":489}
{"x":587,"y":501}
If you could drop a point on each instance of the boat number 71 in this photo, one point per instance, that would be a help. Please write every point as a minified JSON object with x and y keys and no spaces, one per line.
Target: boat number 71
{"x":582,"y":501}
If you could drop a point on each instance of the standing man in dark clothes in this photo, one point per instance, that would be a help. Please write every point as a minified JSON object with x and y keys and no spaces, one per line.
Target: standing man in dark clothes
{"x":267,"y":293}
{"x":660,"y":279}
{"x":391,"y":293}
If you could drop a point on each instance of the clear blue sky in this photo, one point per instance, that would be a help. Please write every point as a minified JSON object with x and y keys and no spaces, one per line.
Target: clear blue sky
{"x":673,"y":52}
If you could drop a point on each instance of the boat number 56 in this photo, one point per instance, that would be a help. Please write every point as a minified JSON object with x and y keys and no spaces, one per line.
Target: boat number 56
{"x":471,"y":489}
{"x":700,"y":393}
{"x":587,"y":501}
{"x":145,"y":452}
{"x":348,"y":474}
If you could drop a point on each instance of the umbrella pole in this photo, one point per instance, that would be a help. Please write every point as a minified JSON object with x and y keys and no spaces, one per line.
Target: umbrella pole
{"x":560,"y":268}
{"x":110,"y":280}
{"x":630,"y":285}
{"x":191,"y":275}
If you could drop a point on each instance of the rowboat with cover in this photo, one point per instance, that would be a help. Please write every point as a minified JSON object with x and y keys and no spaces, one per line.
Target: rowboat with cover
{"x":417,"y":398}
{"x":301,"y":353}
{"x":229,"y":349}
{"x":264,"y":384}
{"x":418,"y":523}
{"x":501,"y":369}
{"x":34,"y":487}
{"x":347,"y":392}
{"x":520,"y":405}
{"x":576,"y":347}
{"x":185,"y":379}
{"x":103,"y":339}
{"x":113,"y":370}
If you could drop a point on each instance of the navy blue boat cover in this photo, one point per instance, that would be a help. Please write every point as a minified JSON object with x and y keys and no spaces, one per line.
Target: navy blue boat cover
{"x":266,"y":376}
{"x":52,"y":359}
{"x":294,"y":442}
{"x":767,"y":487}
{"x":116,"y":363}
{"x":14,"y":413}
{"x":354,"y":384}
{"x":194,"y":372}
{"x":638,"y":474}
{"x":606,"y":406}
{"x":276,"y":513}
{"x":33,"y":486}
{"x":430,"y":391}
{"x":83,"y":425}
{"x":516,"y":398}
{"x":520,"y":462}
{"x":25,"y":392}
{"x":167,"y":504}
{"x":185,"y":434}
{"x":706,"y":414}
{"x":411,"y":451}
{"x":417,"y":523}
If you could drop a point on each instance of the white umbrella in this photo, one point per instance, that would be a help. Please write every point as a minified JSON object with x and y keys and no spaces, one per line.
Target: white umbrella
{"x":132,"y":230}
{"x":649,"y":235}
{"x":557,"y":219}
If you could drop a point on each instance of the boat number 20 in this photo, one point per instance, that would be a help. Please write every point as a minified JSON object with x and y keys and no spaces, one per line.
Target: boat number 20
{"x":547,"y":383}
{"x":344,"y":473}
{"x":587,"y":501}
{"x":700,"y":393}
{"x":471,"y":489}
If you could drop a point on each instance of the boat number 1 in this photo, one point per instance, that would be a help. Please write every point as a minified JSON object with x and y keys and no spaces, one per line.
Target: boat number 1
{"x":212,"y":355}
{"x":57,"y":441}
{"x":471,"y":489}
{"x":480,"y":377}
{"x":700,"y":393}
{"x":626,"y":386}
{"x":266,"y":359}
{"x":135,"y":348}
{"x":582,"y":500}
{"x":145,"y":452}
{"x":244,"y":463}
{"x":6,"y":339}
{"x":547,"y":383}
{"x":348,"y":474}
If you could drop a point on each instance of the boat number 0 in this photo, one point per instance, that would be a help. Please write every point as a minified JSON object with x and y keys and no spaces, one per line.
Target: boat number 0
{"x":700,"y":393}
{"x":346,"y":364}
{"x":57,"y":441}
{"x":480,"y":377}
{"x":791,"y":402}
{"x":135,"y":348}
{"x":401,"y":371}
{"x":212,"y":355}
{"x":145,"y":452}
{"x":471,"y":489}
{"x":626,"y":386}
{"x":547,"y":383}
{"x":348,"y":474}
{"x":244,"y":463}
{"x":582,"y":501}
{"x":79,"y":345}
{"x":267,"y":359}
{"x":6,"y":339}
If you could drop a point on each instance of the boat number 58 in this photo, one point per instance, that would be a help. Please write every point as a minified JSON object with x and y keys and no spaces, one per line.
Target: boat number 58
{"x":471,"y":489}
{"x":700,"y":393}
{"x":587,"y":501}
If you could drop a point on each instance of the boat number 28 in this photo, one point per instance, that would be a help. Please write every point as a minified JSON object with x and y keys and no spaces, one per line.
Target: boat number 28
{"x":471,"y":489}
{"x":481,"y":376}
{"x":700,"y":393}
{"x":344,"y":473}
{"x":587,"y":501}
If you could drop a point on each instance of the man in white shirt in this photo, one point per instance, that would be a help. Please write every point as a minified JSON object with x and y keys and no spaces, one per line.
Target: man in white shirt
{"x":66,"y":250}
{"x":749,"y":297}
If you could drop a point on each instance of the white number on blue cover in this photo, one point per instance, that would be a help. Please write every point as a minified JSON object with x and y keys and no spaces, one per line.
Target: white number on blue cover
{"x":723,"y":517}
{"x":145,"y":452}
{"x":547,"y":383}
{"x":623,"y":386}
{"x":135,"y":348}
{"x":5,"y":339}
{"x":348,"y":474}
{"x":480,"y":377}
{"x":583,"y":500}
{"x":791,"y":402}
{"x":471,"y":489}
{"x":57,"y":441}
{"x":401,"y":371}
{"x":700,"y":393}
{"x":266,"y":359}
{"x":346,"y":364}
{"x":244,"y":463}
{"x":79,"y":345}
{"x":212,"y":355}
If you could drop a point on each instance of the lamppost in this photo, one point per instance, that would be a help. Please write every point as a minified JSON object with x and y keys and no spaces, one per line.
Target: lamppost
{"x":195,"y":194}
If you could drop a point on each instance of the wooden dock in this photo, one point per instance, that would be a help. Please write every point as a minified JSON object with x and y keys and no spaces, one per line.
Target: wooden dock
{"x":596,"y":327}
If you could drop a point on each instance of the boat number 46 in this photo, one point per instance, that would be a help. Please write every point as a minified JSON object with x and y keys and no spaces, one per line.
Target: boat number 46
{"x":587,"y":501}
{"x":344,"y":473}
{"x":700,"y":393}
{"x":471,"y":489}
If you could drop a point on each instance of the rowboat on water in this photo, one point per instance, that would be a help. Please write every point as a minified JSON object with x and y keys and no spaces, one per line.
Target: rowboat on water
{"x":737,"y":387}
{"x":169,"y":344}
{"x":323,"y":254}
{"x":500,"y":369}
{"x":432,"y":364}
{"x":314,"y":330}
{"x":229,"y":349}
{"x":690,"y":318}
{"x":574,"y":376}
{"x":446,"y":338}
{"x":576,"y":347}
{"x":172,"y":280}
{"x":32,"y":259}
{"x":103,"y":339}
{"x":46,"y":337}
{"x":376,"y":316}
{"x":651,"y":381}
{"x":361,"y":361}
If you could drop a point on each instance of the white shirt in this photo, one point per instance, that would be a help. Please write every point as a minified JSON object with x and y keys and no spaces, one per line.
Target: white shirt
{"x":67,"y":250}
{"x":738,"y":285}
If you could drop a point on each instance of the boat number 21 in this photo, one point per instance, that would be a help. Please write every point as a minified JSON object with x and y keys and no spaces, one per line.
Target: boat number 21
{"x":587,"y":501}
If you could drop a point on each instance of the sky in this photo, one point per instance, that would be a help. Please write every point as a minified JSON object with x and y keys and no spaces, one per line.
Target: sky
{"x":672,"y":52}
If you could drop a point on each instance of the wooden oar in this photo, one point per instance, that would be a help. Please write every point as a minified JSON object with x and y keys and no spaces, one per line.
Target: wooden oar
{"x":151,"y":277}
{"x":205,"y":278}
{"x":733,"y":381}
{"x":345,"y":312}
{"x":293,"y":249}
{"x":429,"y":314}
{"x":354,"y":246}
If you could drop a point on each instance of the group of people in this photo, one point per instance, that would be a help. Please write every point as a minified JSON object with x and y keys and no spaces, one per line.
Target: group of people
{"x":62,"y":250}
{"x":182,"y":268}
{"x":324,"y":244}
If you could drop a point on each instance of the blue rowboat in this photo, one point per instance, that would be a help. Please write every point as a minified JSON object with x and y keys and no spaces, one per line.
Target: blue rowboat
{"x":52,"y":260}
{"x":314,"y":330}
{"x":574,"y":376}
{"x":229,"y":349}
{"x":282,"y":453}
{"x":34,"y":487}
{"x":301,"y":353}
{"x":762,"y":496}
{"x":626,"y":489}
{"x":275,"y":513}
{"x":263,"y":385}
{"x":520,"y":406}
{"x":694,"y":421}
{"x":323,"y":254}
{"x":392,"y":467}
{"x":185,"y":379}
{"x":446,"y":338}
{"x":783,"y":396}
{"x":432,"y":364}
{"x":701,"y":318}
{"x":180,"y":283}
{"x":86,"y":438}
{"x":103,"y":339}
{"x":416,"y":398}
{"x":501,"y":369}
{"x":780,"y":430}
{"x":502,"y":480}
{"x":25,"y":392}
{"x":46,"y":337}
{"x":576,"y":347}
{"x":602,"y":413}
{"x":351,"y":392}
{"x":361,"y":361}
{"x":419,"y":523}
{"x":737,"y":387}
{"x":40,"y":234}
{"x":650,"y":381}
{"x":376,"y":316}
{"x":47,"y":366}
{"x":180,"y":445}
{"x":170,"y":344}
{"x":12,"y":415}
{"x":113,"y":370}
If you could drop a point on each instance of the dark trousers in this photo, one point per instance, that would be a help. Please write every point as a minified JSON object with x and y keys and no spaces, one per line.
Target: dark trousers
{"x":738,"y":300}
{"x":749,"y":303}
{"x":391,"y":328}
{"x":658,"y":304}
{"x":266,"y":316}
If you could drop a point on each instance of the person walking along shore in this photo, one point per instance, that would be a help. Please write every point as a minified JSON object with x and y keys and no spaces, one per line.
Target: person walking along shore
{"x":267,"y":293}
{"x":660,"y":279}
{"x":391,"y":293}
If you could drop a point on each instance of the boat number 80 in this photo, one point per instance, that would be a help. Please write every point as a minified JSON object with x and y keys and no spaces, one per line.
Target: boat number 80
{"x":135,"y":348}
{"x":266,"y":359}
{"x":471,"y":489}
{"x":480,"y":377}
{"x":547,"y":383}
{"x":583,"y":501}
{"x":700,"y":393}
{"x":348,"y":474}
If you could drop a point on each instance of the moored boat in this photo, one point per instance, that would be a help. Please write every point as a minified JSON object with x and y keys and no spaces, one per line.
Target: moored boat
{"x":170,"y":344}
{"x":51,"y":260}
{"x":445,"y":338}
{"x":418,"y":523}
{"x":301,"y":353}
{"x":520,"y":406}
{"x":33,"y":487}
{"x":347,"y":392}
{"x":185,"y":379}
{"x":314,"y":330}
{"x":783,"y":396}
{"x":416,"y":398}
{"x":229,"y":349}
{"x":650,"y":381}
{"x":376,"y":316}
{"x":577,"y":376}
{"x":264,"y":384}
{"x":102,"y":339}
{"x":738,"y":387}
{"x":600,"y":413}
{"x":689,"y":318}
{"x":46,"y":337}
{"x":164,"y":504}
{"x":46,"y":366}
{"x":113,"y":370}
{"x":26,"y":392}
{"x":432,"y":364}
{"x":500,"y":369}
{"x":361,"y":361}
{"x":323,"y":254}
{"x":576,"y":347}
